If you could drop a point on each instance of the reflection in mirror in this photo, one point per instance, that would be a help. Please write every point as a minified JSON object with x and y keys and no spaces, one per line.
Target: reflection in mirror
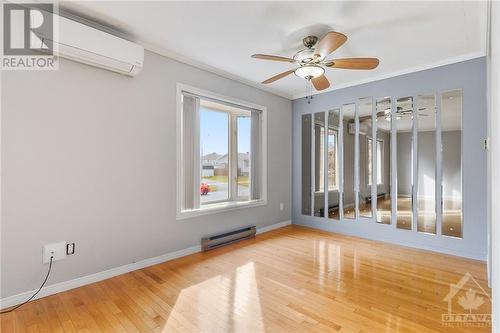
{"x":383,"y":160}
{"x":365,"y":157}
{"x":349,"y":129}
{"x":319,"y":164}
{"x":451,"y":136}
{"x":333,"y":163}
{"x":306,"y":164}
{"x":404,"y":126}
{"x":426,"y":161}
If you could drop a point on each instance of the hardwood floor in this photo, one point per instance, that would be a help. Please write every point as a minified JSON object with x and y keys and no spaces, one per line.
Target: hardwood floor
{"x":289,"y":280}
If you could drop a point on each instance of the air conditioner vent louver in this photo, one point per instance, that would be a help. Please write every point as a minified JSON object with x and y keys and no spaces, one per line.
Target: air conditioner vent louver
{"x":208,"y":243}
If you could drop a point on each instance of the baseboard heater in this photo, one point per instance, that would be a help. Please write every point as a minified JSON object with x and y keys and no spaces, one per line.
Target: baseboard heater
{"x":208,"y":243}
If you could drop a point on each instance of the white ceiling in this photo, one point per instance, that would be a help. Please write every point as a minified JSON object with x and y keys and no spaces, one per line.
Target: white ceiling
{"x":220,"y":37}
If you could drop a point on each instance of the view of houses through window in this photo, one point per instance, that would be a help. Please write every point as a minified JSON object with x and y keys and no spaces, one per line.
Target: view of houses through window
{"x":217,"y":156}
{"x":332,"y":160}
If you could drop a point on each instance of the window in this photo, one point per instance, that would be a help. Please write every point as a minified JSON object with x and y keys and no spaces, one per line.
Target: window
{"x":221,"y":153}
{"x":380,"y":151}
{"x":333,"y":180}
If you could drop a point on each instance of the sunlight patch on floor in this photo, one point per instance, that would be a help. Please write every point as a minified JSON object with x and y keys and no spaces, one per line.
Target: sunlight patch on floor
{"x":233,"y":300}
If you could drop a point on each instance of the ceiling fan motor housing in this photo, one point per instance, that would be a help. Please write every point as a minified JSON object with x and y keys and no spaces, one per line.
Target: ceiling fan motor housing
{"x":310,"y":41}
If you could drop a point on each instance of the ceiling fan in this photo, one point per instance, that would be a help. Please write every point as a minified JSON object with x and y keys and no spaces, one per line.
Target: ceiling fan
{"x":312,"y":60}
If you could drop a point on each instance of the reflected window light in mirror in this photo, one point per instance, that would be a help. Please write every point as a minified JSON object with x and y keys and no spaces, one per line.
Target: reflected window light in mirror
{"x":426,"y":164}
{"x":451,"y":142}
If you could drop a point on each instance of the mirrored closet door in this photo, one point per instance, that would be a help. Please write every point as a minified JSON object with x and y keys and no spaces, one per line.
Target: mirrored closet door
{"x":451,"y":142}
{"x":306,"y":164}
{"x":366,"y":157}
{"x":333,"y":164}
{"x":349,"y":139}
{"x":426,"y":164}
{"x":403,"y":119}
{"x":319,"y":164}
{"x":382,"y":163}
{"x":393,"y":160}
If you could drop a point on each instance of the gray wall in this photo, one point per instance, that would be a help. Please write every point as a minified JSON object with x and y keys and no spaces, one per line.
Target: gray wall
{"x":470,"y":76}
{"x":89,"y":156}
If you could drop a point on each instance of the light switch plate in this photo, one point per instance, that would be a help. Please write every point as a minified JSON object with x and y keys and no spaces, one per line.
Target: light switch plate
{"x":57,"y":250}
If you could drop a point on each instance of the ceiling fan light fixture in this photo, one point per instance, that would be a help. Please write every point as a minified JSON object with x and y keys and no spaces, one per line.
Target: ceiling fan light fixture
{"x":309,"y":72}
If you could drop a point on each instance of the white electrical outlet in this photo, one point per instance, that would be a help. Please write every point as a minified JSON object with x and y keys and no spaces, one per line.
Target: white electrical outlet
{"x":55,"y":250}
{"x":282,"y":206}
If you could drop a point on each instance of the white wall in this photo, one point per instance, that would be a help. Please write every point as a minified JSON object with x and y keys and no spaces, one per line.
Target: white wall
{"x":88,"y":156}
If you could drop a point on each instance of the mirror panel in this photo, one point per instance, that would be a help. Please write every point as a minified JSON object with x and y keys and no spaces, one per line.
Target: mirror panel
{"x":403,"y":119}
{"x":426,"y":164}
{"x":348,"y":121}
{"x":365,"y":157}
{"x":306,"y":164}
{"x":319,"y":164}
{"x":333,"y":164}
{"x":383,"y":159}
{"x":451,"y":140}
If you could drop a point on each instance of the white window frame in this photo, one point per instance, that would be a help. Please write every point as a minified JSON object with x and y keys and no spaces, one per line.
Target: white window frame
{"x":218,"y":207}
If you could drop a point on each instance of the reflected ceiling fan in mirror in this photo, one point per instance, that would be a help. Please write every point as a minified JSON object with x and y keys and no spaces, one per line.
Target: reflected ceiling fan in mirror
{"x":312,"y":61}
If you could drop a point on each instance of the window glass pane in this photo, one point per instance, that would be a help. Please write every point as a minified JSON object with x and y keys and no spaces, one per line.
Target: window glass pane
{"x":451,"y":136}
{"x":243,"y":140}
{"x":306,"y":164}
{"x":384,"y":128}
{"x":348,"y":119}
{"x":214,"y":147}
{"x":365,"y":157}
{"x":404,"y":128}
{"x":319,"y":164}
{"x":333,"y":164}
{"x":426,"y":161}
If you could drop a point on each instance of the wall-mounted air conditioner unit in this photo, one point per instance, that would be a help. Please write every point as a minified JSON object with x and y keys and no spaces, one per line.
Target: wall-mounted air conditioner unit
{"x":83,"y":43}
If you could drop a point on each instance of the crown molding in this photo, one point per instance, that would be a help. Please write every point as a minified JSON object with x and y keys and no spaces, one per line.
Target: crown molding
{"x":185,"y":60}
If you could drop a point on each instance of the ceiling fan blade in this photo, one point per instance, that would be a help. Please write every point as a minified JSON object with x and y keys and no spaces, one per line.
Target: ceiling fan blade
{"x":272,"y":57}
{"x":277,"y":77}
{"x":354,"y":63}
{"x":329,"y":43}
{"x":320,"y":82}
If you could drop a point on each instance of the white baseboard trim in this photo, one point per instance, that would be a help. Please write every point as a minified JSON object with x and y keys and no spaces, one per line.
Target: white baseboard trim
{"x":273,"y":226}
{"x":88,"y":279}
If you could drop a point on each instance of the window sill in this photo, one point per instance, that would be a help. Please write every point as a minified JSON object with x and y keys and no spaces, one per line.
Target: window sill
{"x":219,"y":208}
